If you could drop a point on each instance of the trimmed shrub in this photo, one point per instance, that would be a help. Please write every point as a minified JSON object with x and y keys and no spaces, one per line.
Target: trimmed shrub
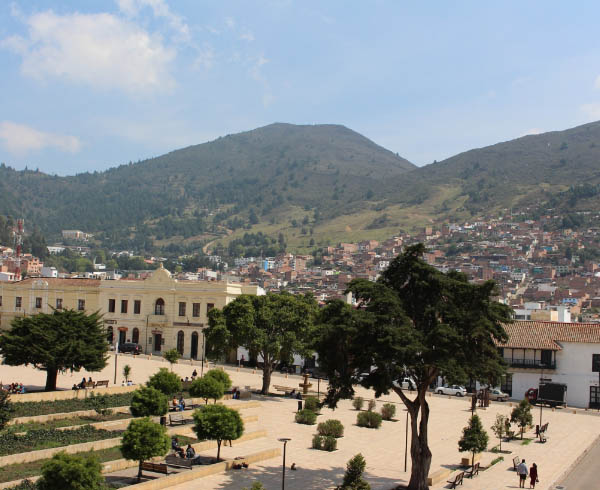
{"x":331,"y":427}
{"x":371,"y":406}
{"x":317,"y":441}
{"x":388,"y":411}
{"x":312,"y":403}
{"x":372,"y":420}
{"x":148,"y":401}
{"x":71,"y":471}
{"x":307,"y":417}
{"x":358,"y":402}
{"x":165,"y":382}
{"x":207,"y":387}
{"x":329,"y":443}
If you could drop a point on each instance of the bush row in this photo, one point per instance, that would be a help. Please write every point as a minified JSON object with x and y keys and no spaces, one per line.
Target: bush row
{"x":11,"y":443}
{"x":28,"y":409}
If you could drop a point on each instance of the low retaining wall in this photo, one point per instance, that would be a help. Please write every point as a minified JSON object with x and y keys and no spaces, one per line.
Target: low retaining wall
{"x":45,"y":396}
{"x":203,"y":471}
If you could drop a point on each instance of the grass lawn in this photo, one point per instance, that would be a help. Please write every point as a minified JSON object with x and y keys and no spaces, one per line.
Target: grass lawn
{"x":68,"y":422}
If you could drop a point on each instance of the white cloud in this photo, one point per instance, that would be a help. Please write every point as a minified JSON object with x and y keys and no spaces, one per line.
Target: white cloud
{"x":247,"y":36}
{"x":159,"y":9}
{"x":101,"y":50}
{"x":592,"y":110}
{"x":21,"y":139}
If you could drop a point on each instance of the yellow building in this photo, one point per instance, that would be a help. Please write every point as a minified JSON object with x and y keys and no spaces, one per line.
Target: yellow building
{"x":159,"y":312}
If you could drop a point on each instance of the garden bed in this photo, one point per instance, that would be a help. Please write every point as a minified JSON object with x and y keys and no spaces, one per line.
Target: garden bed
{"x":30,"y":409}
{"x":68,"y":422}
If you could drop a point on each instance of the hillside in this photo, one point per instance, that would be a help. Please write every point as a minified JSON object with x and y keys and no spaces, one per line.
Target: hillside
{"x":264,"y":176}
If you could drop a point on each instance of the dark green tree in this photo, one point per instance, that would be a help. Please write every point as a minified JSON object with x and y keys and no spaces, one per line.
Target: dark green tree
{"x":143,"y":440}
{"x":474,"y":438}
{"x":415,"y":322}
{"x":275,"y":326}
{"x":165,"y":382}
{"x":521,"y":415}
{"x":172,"y":356}
{"x":5,"y":408}
{"x":353,"y":479}
{"x":61,"y":340}
{"x":71,"y":472}
{"x":221,"y":376}
{"x":148,"y":401}
{"x":207,"y":388}
{"x":218,"y":422}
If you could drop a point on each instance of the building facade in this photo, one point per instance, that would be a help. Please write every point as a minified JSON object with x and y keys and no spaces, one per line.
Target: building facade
{"x":159,"y":313}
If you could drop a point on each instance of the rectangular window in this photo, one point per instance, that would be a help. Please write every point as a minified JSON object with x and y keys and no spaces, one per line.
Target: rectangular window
{"x":196,"y":310}
{"x":209,"y":306}
{"x":38,"y":302}
{"x":81,"y":304}
{"x":181,"y":308}
{"x":59,"y":303}
{"x":18,"y":302}
{"x":111,"y":305}
{"x":123,"y":306}
{"x":137,"y":307}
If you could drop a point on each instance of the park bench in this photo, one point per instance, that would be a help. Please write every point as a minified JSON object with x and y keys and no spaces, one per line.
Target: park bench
{"x":155,"y":467}
{"x":177,"y":418}
{"x":178,"y":462}
{"x":516,"y":462}
{"x":189,"y":403}
{"x":458,"y":480}
{"x":101,"y":383}
{"x":474,"y":471}
{"x":286,"y":389}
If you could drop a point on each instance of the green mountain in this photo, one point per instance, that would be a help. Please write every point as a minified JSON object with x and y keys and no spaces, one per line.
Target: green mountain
{"x":265,"y":176}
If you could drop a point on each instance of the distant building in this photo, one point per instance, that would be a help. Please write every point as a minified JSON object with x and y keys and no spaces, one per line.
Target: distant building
{"x":76,"y":235}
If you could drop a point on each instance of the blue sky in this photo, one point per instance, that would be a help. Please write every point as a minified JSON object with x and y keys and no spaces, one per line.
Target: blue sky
{"x":90,"y":85}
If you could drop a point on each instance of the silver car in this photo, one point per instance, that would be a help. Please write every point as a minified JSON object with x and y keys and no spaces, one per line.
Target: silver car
{"x":496,"y":394}
{"x":454,"y":390}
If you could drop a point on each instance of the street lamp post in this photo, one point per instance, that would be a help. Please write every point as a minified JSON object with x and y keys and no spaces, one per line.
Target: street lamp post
{"x":285,"y":440}
{"x":203,"y":353}
{"x":539,"y":389}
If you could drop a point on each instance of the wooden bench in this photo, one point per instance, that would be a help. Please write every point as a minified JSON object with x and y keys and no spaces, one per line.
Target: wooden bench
{"x":516,"y":462}
{"x":101,"y":383}
{"x":155,"y":467}
{"x":458,"y":480}
{"x":189,"y":404}
{"x":178,"y":462}
{"x":474,"y":471}
{"x":177,"y":418}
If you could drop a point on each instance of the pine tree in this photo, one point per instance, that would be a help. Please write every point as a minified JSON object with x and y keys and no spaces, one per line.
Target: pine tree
{"x":474,"y":438}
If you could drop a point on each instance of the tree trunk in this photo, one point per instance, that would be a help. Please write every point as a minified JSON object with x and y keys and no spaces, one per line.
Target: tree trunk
{"x":218,"y":449}
{"x":51,"y":375}
{"x":420,"y":453}
{"x":473,"y":463}
{"x":267,"y":370}
{"x":139,"y":478}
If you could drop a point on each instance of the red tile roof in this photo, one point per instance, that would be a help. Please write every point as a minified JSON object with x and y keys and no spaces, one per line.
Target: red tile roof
{"x":547,"y":335}
{"x":55,"y":281}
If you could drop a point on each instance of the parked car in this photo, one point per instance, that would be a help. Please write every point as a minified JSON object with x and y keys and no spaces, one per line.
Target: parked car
{"x":406,"y":384}
{"x":130,"y":347}
{"x":451,"y":390}
{"x":498,"y":395}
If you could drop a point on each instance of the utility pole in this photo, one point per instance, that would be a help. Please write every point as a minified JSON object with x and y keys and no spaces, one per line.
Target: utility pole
{"x":116,"y":355}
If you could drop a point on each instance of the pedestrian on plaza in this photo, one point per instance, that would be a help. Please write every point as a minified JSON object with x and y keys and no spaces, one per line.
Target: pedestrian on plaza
{"x":533,"y":474}
{"x":522,"y":471}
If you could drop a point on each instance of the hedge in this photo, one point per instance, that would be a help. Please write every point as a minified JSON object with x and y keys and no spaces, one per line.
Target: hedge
{"x":388,"y":411}
{"x":372,"y":420}
{"x":307,"y":417}
{"x":33,"y":440}
{"x":331,"y":427}
{"x":28,"y":409}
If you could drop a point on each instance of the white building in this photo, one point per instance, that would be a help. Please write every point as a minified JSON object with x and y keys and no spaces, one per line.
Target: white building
{"x":561,"y":352}
{"x":49,"y":272}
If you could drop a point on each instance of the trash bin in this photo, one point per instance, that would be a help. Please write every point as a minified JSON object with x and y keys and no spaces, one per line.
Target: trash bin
{"x":299,"y":405}
{"x":163,"y":420}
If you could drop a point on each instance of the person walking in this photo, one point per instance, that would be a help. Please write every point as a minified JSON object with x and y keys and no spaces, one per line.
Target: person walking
{"x":522,"y":471}
{"x":533,"y":474}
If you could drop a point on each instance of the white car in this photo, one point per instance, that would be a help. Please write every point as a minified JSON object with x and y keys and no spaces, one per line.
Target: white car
{"x":496,"y":394}
{"x":406,"y":384}
{"x":451,"y":390}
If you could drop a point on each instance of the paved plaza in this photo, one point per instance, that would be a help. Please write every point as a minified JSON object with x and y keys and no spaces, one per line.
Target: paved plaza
{"x":570,"y":434}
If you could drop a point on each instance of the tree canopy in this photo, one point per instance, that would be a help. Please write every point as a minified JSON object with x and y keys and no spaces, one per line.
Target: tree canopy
{"x":221,"y":376}
{"x":207,"y":388}
{"x":474,"y":438}
{"x":147,"y":401}
{"x":414,"y":322}
{"x":165,"y":382}
{"x":218,"y":422}
{"x":172,"y":356}
{"x":273,"y":326}
{"x":143,"y":440}
{"x":71,"y":472}
{"x":57,"y":341}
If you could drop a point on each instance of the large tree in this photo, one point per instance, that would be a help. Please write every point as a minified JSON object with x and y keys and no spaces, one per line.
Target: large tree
{"x":143,"y":440}
{"x":415,"y":322}
{"x":218,"y":422}
{"x":72,"y":472}
{"x":274,"y":326}
{"x":57,"y":341}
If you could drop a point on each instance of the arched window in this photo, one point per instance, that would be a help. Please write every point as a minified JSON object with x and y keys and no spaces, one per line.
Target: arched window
{"x":109,"y":335}
{"x":159,"y":307}
{"x":135,"y":336}
{"x":180,"y":337}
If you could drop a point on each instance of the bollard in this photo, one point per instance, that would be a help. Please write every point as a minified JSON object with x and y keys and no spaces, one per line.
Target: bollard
{"x":286,"y":375}
{"x":253,"y":371}
{"x":238,"y":370}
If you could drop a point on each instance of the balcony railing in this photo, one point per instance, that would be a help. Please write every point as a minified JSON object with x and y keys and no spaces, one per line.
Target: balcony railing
{"x":530,"y":364}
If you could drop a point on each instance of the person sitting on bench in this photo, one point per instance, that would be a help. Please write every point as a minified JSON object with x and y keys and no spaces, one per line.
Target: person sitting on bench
{"x":177,"y":404}
{"x":293,"y":393}
{"x":177,"y":448}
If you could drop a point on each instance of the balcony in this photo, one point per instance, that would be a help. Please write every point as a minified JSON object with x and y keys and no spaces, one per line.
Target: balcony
{"x":530,"y":364}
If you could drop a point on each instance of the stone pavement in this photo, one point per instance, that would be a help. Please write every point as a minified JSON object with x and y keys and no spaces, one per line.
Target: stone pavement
{"x":569,"y":436}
